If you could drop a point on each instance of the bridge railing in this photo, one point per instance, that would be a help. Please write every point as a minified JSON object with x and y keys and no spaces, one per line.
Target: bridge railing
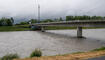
{"x":75,"y":21}
{"x":78,"y":23}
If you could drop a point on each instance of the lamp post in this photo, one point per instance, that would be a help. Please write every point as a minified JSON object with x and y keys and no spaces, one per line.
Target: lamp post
{"x":38,"y":16}
{"x":38,"y":13}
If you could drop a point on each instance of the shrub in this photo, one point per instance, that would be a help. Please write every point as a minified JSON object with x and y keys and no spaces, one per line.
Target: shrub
{"x":9,"y":57}
{"x":36,"y":53}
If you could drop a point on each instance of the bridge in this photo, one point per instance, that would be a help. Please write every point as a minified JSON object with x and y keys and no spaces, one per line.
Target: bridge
{"x":77,"y":23}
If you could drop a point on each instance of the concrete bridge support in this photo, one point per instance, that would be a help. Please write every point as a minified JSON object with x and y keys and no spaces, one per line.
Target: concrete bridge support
{"x":42,"y":29}
{"x":79,"y":32}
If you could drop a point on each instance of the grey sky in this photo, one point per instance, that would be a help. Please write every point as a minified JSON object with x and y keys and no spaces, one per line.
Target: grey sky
{"x":51,"y":8}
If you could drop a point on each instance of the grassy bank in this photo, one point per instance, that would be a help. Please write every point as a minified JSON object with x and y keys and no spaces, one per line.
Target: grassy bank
{"x":74,"y":56}
{"x":26,"y":27}
{"x":15,"y":28}
{"x":79,"y":56}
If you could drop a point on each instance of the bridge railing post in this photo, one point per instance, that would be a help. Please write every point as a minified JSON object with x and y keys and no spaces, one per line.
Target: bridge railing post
{"x":79,"y":32}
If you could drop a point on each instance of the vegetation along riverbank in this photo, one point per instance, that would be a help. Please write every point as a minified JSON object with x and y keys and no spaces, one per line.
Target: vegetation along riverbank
{"x":27,"y":28}
{"x":7,"y":24}
{"x":15,"y":28}
{"x":74,"y":56}
{"x":37,"y":55}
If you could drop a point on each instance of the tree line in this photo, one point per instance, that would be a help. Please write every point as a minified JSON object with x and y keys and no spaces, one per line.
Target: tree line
{"x":85,"y":17}
{"x":10,"y":21}
{"x":68,"y":18}
{"x":41,"y":21}
{"x":6,"y":21}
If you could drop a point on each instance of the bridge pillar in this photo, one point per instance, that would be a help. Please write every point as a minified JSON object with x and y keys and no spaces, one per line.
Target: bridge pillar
{"x":42,"y":29}
{"x":79,"y":32}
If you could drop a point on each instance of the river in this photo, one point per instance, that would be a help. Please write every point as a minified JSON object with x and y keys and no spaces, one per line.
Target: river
{"x":51,"y":42}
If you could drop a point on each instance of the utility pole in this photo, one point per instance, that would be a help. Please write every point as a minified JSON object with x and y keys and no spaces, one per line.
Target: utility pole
{"x":38,"y":13}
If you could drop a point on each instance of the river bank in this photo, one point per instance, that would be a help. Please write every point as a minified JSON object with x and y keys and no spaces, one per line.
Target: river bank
{"x":27,"y":28}
{"x":73,"y":56}
{"x":15,"y":28}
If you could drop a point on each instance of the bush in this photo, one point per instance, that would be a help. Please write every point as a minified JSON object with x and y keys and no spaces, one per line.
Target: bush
{"x":36,"y":53}
{"x":9,"y":57}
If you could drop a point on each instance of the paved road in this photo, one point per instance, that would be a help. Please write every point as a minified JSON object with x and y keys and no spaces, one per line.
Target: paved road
{"x":98,"y":58}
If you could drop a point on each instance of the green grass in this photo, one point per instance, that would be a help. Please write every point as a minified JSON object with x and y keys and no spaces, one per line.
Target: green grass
{"x":15,"y":28}
{"x":9,"y":57}
{"x":69,"y":53}
{"x":36,"y":53}
{"x":99,"y":49}
{"x":26,"y":27}
{"x":78,"y":52}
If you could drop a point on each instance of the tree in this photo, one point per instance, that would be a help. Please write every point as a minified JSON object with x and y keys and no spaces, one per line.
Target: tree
{"x":0,"y":23}
{"x":84,"y":17}
{"x":23,"y":23}
{"x":3,"y":21}
{"x":47,"y":20}
{"x":6,"y":22}
{"x":12,"y":20}
{"x":33,"y":21}
{"x":60,"y":19}
{"x":9,"y":22}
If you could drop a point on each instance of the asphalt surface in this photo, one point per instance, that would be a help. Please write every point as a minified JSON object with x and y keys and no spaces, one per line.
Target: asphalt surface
{"x":98,"y":58}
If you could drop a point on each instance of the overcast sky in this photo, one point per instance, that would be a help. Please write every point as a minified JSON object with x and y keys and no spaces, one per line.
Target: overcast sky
{"x":51,"y":8}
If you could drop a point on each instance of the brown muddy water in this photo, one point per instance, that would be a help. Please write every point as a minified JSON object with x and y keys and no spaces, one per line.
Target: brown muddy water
{"x":51,"y":42}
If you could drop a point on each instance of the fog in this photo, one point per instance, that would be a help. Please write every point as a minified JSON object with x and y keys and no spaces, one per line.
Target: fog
{"x":27,"y":9}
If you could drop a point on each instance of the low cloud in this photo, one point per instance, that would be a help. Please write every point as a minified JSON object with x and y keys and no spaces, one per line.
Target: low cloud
{"x":50,"y":8}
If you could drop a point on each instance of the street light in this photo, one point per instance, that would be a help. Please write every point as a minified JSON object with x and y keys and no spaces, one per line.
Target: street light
{"x":38,"y":13}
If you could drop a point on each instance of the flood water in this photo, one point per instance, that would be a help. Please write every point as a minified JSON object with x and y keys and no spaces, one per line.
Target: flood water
{"x":51,"y":42}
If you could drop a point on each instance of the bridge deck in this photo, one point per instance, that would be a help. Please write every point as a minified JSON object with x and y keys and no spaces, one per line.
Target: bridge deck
{"x":77,"y":23}
{"x":84,"y":23}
